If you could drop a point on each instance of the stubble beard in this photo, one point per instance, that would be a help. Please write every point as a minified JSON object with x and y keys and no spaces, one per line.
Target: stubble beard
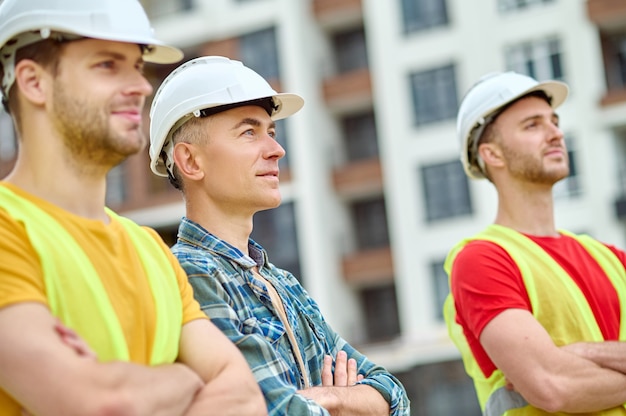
{"x":532,"y":169}
{"x":87,"y":134}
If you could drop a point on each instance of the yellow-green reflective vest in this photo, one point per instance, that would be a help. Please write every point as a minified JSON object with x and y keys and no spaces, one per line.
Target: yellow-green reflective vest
{"x":75,"y":292}
{"x":567,"y":318}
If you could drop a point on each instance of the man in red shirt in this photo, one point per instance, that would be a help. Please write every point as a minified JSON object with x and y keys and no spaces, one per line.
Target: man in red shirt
{"x":535,"y":311}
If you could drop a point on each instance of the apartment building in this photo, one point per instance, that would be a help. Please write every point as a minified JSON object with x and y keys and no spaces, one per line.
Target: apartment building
{"x":374,"y":194}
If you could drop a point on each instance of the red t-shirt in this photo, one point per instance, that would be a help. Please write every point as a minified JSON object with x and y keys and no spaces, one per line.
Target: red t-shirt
{"x":486,"y":281}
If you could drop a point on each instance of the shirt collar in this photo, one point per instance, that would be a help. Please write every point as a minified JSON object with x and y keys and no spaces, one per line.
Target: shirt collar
{"x":193,"y":233}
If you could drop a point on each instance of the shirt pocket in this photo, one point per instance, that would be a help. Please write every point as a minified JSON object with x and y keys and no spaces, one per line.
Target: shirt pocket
{"x":271,"y":329}
{"x":316,"y":324}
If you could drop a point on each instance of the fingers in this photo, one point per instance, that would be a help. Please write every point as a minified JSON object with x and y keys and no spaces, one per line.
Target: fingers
{"x":327,"y":371}
{"x":352,"y":374}
{"x":74,"y":341}
{"x":341,"y":369}
{"x":345,"y":374}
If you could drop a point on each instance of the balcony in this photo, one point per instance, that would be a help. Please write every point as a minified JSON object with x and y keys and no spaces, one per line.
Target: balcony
{"x":349,"y":91}
{"x":371,"y":267}
{"x":337,"y":13}
{"x":359,"y":178}
{"x":608,"y":14}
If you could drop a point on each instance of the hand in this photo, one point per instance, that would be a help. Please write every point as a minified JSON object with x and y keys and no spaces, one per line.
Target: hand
{"x":74,"y":341}
{"x":345,"y":371}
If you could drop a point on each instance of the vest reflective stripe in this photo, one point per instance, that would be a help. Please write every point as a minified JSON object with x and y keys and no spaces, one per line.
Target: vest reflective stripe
{"x":567,"y":318}
{"x":503,"y":400}
{"x":75,"y":292}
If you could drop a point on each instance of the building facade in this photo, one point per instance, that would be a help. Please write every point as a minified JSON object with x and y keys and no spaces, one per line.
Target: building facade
{"x":374,"y":194}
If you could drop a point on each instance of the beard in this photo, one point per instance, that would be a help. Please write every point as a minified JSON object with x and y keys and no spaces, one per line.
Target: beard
{"x":532,"y":169}
{"x":87,"y":132}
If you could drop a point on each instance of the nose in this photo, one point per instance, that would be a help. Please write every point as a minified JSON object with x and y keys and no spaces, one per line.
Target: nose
{"x":555,"y":132}
{"x":274,"y":149}
{"x":139,"y":85}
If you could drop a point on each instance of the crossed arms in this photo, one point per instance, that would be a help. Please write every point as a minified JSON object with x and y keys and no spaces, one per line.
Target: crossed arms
{"x":48,"y":377}
{"x":576,"y":378}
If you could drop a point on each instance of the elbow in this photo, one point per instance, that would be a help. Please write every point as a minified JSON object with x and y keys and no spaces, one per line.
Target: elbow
{"x":115,"y":403}
{"x":547,"y":395}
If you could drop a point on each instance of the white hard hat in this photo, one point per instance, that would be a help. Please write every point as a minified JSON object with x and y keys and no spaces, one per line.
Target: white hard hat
{"x":204,"y":83}
{"x":23,"y":22}
{"x":484,"y":100}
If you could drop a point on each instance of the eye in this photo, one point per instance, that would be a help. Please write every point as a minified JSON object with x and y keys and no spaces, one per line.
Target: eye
{"x":530,"y":125}
{"x":110,"y":64}
{"x":272,"y":134}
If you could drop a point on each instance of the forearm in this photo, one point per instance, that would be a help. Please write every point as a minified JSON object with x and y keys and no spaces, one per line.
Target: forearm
{"x":354,"y":400}
{"x":229,"y":394}
{"x":137,"y":390}
{"x":608,"y":354}
{"x":582,"y":386}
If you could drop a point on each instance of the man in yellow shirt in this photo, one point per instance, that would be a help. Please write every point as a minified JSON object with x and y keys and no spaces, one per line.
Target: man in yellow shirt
{"x":72,"y":81}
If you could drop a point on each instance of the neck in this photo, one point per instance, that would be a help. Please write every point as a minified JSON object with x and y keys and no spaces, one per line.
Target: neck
{"x":529,"y":210}
{"x":224,"y":222}
{"x":45,"y":169}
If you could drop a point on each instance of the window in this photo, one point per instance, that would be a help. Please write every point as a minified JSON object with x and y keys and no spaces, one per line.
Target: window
{"x":370,"y":223}
{"x":540,"y":59}
{"x":381,"y":313}
{"x":350,"y":50}
{"x":446,"y":191}
{"x":508,"y":5}
{"x":441,"y":286}
{"x":281,"y":138}
{"x":8,"y":141}
{"x":258,"y":52}
{"x":116,"y":188}
{"x":359,"y":132}
{"x":614,"y":47}
{"x":442,"y":388}
{"x":275,"y":230}
{"x":570,"y":186}
{"x":434,"y":95}
{"x":423,"y":14}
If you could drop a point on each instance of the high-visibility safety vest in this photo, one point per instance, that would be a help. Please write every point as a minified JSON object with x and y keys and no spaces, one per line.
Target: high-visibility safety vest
{"x":568,"y":318}
{"x":76,"y":294}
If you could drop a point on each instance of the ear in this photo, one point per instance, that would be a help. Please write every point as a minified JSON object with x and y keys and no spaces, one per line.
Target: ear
{"x":32,"y":80}
{"x":185,"y":157}
{"x":491,"y":154}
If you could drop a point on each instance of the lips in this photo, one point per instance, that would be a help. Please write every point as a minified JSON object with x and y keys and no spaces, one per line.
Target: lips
{"x":133,"y":115}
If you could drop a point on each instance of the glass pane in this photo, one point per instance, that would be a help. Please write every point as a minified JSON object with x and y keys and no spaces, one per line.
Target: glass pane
{"x":350,"y":50}
{"x":434,"y":95}
{"x":381,"y":313}
{"x":446,"y":191}
{"x":370,"y":219}
{"x":258,"y":51}
{"x":359,"y":132}
{"x":275,"y":230}
{"x":423,"y":14}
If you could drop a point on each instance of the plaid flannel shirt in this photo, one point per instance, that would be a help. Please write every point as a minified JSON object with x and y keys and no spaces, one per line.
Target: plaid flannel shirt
{"x":239,"y":304}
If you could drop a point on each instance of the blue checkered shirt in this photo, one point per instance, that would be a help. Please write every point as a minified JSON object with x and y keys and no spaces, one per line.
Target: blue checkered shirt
{"x":239,"y":304}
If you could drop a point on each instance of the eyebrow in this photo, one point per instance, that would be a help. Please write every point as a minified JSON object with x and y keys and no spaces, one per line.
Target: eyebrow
{"x":117,"y":56}
{"x":553,"y":116}
{"x":252,"y":122}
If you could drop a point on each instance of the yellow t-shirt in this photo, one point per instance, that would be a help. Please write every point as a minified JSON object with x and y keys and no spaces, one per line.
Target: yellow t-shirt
{"x":112,"y":254}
